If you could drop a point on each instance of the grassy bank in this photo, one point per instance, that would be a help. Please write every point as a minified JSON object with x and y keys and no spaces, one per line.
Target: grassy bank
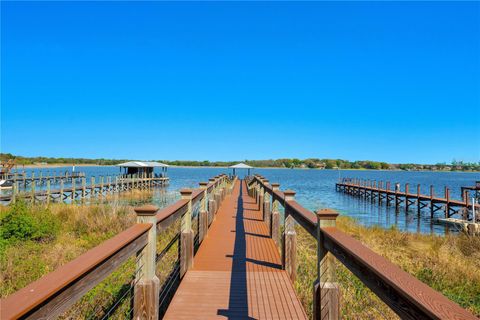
{"x":448,"y":264}
{"x":37,"y":240}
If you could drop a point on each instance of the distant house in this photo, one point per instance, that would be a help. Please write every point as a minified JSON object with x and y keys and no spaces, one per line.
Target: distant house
{"x":144,"y":167}
{"x":321,"y":165}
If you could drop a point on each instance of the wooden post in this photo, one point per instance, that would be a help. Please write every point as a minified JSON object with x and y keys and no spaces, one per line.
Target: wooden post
{"x":212,"y":201}
{"x":257,"y":191}
{"x":407,"y":186}
{"x":61,"y":189}
{"x":48,"y":191}
{"x":289,"y":252}
{"x":275,"y":227}
{"x":73,"y":189}
{"x":447,"y":204}
{"x":14,"y":191}
{"x":147,"y":287}
{"x":101,"y":186}
{"x":84,"y":188}
{"x":419,"y":203}
{"x":261,"y":199}
{"x":32,"y":177}
{"x":431,"y":201}
{"x":379,"y":192}
{"x":397,"y":189}
{"x":33,"y":190}
{"x":105,"y":184}
{"x":203,"y":214}
{"x":186,"y":235}
{"x":326,"y":304}
{"x":266,"y":205}
{"x":387,"y":195}
{"x":465,"y":210}
{"x":92,"y":186}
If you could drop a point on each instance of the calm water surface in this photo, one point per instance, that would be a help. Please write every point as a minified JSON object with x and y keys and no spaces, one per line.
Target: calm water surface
{"x":316,"y":189}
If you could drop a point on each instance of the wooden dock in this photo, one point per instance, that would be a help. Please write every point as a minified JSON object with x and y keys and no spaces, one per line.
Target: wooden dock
{"x":232,"y":261}
{"x":83,"y":190}
{"x":383,"y":193}
{"x":237,"y":273}
{"x":22,"y":179}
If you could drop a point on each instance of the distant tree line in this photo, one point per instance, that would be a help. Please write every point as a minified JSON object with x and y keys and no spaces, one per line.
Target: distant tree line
{"x":311,"y":163}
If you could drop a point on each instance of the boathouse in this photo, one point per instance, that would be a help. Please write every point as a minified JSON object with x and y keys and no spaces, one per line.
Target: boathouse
{"x":144,"y":167}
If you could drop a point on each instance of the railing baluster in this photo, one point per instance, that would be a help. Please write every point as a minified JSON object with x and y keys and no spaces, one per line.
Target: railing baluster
{"x":203,"y":215}
{"x":266,"y":205}
{"x":275,"y":226}
{"x":186,"y":235}
{"x":289,"y":252}
{"x":147,"y":288}
{"x":326,"y":304}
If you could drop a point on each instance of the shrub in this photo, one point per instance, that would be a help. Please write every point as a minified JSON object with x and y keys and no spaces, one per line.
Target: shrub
{"x":22,"y":223}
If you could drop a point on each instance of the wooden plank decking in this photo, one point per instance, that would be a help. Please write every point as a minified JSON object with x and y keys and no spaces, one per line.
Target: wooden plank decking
{"x":237,"y":270}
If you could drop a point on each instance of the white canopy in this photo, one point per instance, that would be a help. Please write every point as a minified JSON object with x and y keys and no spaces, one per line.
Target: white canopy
{"x":241,"y":166}
{"x":142,"y":164}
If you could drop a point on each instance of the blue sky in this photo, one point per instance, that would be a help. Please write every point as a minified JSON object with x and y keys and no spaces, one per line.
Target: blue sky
{"x":396,"y":82}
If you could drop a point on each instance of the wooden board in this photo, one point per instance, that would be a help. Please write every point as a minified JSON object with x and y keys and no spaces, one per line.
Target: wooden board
{"x":237,"y":270}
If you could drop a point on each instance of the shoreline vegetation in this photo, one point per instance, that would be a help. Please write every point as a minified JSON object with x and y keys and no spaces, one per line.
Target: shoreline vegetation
{"x":35,"y":231}
{"x":311,"y":163}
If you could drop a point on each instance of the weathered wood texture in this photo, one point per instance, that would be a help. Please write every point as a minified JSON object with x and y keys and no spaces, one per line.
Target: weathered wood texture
{"x":237,"y":271}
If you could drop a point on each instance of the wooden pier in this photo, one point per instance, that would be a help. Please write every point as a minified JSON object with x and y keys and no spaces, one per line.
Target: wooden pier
{"x":81,"y":191}
{"x":233,"y":261}
{"x":23,"y":179}
{"x":383,"y":193}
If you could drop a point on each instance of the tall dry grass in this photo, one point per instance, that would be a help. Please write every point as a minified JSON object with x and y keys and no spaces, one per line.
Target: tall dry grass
{"x":81,"y":227}
{"x":449,"y":264}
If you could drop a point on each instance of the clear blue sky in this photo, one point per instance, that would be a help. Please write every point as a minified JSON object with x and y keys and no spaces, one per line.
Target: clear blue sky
{"x":396,"y":82}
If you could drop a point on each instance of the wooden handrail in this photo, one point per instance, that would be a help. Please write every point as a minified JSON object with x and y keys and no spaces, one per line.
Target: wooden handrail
{"x":56,"y":291}
{"x":405,"y":294}
{"x":304,"y":217}
{"x":168,"y":215}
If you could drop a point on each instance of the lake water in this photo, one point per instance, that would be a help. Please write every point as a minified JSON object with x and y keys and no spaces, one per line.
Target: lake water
{"x":316,"y":189}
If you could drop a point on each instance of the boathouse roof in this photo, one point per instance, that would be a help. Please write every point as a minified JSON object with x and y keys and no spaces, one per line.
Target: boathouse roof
{"x":142,"y":164}
{"x":241,"y":166}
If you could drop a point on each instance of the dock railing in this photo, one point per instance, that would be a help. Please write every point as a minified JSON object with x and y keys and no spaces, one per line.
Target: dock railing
{"x":79,"y":189}
{"x":377,"y":191}
{"x":405,"y":295}
{"x":154,"y":254}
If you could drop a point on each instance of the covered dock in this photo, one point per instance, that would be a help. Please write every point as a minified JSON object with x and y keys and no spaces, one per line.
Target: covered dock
{"x":144,"y":168}
{"x":241,"y":166}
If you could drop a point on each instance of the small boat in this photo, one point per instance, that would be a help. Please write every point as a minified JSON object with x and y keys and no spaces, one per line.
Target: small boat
{"x":5,"y":184}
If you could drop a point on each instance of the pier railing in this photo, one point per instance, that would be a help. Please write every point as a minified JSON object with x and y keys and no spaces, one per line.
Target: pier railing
{"x":53,"y":189}
{"x":154,"y":254}
{"x":466,"y":209}
{"x":405,"y":295}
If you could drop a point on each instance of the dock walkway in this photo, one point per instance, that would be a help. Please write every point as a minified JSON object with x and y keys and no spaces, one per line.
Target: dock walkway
{"x":221,"y":261}
{"x":237,"y":273}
